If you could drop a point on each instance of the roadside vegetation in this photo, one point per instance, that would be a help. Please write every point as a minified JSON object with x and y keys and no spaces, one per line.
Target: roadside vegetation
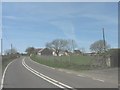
{"x":100,"y":57}
{"x":67,"y":62}
{"x":8,"y":57}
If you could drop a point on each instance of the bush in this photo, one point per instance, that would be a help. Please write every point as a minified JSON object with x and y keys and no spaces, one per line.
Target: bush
{"x":6,"y":59}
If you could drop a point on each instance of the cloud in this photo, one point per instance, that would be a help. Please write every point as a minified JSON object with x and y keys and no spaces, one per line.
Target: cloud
{"x":10,"y":17}
{"x":22,"y":18}
{"x":68,"y":30}
{"x":102,"y":18}
{"x":66,"y":27}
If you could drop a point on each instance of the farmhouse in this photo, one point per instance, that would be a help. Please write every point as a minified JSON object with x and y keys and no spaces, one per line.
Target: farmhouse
{"x":77,"y":52}
{"x":47,"y":51}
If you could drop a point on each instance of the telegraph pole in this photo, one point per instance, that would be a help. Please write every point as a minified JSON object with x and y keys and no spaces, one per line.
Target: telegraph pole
{"x":1,"y":46}
{"x":104,"y":40}
{"x":11,"y":48}
{"x":104,"y":56}
{"x":73,"y":46}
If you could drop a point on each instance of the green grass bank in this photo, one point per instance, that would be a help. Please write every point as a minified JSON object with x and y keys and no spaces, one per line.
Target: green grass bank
{"x":66,"y":62}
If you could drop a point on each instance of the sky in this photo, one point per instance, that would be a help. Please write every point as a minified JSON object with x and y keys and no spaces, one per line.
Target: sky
{"x":34,"y":24}
{"x":60,"y":0}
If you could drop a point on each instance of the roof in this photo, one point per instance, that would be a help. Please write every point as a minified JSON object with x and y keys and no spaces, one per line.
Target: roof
{"x":77,"y":51}
{"x":39,"y":49}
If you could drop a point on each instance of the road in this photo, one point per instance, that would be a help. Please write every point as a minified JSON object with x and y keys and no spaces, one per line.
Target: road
{"x":25,"y":73}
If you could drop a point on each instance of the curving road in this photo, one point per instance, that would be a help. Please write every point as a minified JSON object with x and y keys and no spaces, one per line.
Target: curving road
{"x":25,"y":73}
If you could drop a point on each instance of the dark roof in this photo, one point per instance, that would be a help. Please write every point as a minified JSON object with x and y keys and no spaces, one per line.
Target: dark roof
{"x":46,"y":51}
{"x":77,"y":51}
{"x":38,"y":49}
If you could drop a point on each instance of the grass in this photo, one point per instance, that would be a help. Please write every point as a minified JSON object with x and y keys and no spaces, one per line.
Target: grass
{"x":67,"y":62}
{"x":6,"y":60}
{"x":5,"y":63}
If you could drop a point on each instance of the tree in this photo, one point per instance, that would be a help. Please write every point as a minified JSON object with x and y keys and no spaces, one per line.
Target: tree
{"x":57,"y":45}
{"x":11,"y":51}
{"x":30,"y":50}
{"x":71,"y":45}
{"x":98,"y":46}
{"x":82,"y":50}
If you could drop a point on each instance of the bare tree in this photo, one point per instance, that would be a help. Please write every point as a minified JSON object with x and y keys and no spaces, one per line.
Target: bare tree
{"x":10,"y":51}
{"x":57,"y":45}
{"x":99,"y":47}
{"x":30,"y":50}
{"x":82,"y":49}
{"x":71,"y":45}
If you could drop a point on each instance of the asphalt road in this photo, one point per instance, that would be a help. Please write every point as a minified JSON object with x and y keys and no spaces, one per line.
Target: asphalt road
{"x":25,"y":73}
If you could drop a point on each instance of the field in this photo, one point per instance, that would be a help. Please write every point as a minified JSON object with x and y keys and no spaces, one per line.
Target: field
{"x":68,"y":62}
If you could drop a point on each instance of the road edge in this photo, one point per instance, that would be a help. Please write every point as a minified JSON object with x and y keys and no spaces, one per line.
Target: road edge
{"x":46,"y":78}
{"x":3,"y":76}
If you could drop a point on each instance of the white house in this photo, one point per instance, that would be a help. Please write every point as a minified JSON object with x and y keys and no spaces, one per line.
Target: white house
{"x":46,"y":51}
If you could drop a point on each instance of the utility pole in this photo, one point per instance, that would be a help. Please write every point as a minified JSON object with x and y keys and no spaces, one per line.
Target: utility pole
{"x":73,"y":46}
{"x":1,"y":46}
{"x":104,"y":40}
{"x":104,"y":56}
{"x":11,"y":48}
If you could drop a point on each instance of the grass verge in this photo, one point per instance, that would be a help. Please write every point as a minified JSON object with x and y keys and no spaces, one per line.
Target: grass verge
{"x":6,"y":59}
{"x":66,"y":62}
